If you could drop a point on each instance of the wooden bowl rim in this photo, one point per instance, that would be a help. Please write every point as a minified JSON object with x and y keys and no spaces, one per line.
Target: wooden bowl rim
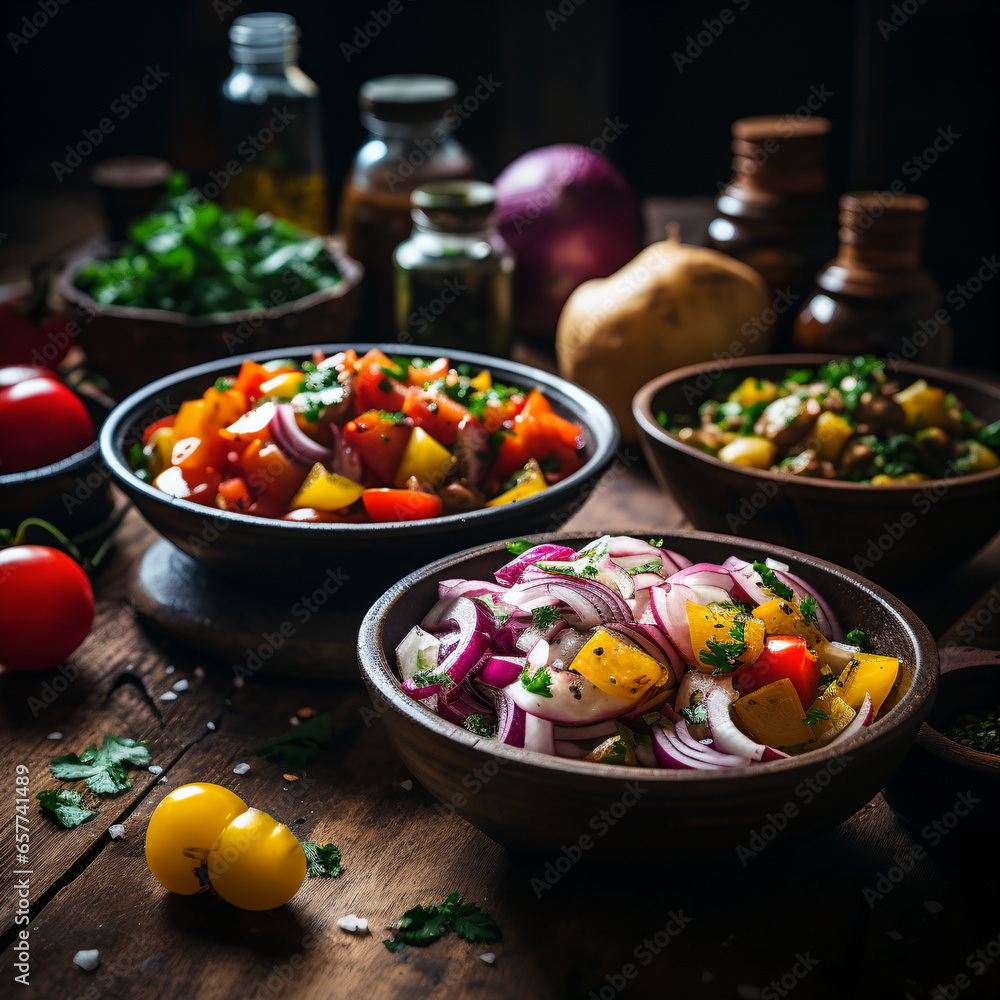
{"x":642,"y":412}
{"x":381,"y":676}
{"x":351,"y":272}
{"x":587,"y":410}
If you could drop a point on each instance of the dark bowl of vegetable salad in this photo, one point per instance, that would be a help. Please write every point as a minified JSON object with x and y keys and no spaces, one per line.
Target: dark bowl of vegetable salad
{"x":370,"y":460}
{"x":889,"y":468}
{"x":567,"y":693}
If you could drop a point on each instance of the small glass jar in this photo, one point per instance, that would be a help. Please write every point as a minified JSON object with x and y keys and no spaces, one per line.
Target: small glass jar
{"x":272,"y":126}
{"x":454,"y":275}
{"x":409,"y":118}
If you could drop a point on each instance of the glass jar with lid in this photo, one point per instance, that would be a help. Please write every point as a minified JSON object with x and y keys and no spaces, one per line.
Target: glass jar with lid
{"x":409,"y":118}
{"x":454,"y":274}
{"x":272,"y":126}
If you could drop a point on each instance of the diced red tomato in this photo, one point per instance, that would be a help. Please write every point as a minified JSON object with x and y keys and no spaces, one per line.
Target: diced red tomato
{"x":401,"y":505}
{"x":373,"y":389}
{"x":270,"y":473}
{"x":379,"y":442}
{"x":541,"y":434}
{"x":196,"y":485}
{"x":234,"y":495}
{"x":436,"y":413}
{"x":783,"y":656}
{"x":429,"y":372}
{"x":155,"y":426}
{"x":250,"y":378}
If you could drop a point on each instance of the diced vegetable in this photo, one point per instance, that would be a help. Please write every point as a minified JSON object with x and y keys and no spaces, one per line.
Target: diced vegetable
{"x":529,"y":480}
{"x":326,"y":490}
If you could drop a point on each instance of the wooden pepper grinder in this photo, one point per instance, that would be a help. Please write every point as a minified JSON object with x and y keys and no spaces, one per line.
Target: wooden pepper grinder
{"x":777,"y":214}
{"x":874,"y":297}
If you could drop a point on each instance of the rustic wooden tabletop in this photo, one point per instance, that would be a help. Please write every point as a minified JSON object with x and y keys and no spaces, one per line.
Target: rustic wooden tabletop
{"x":874,"y":908}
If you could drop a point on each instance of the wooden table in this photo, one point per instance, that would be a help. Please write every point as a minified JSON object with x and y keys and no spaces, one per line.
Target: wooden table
{"x":798,"y":919}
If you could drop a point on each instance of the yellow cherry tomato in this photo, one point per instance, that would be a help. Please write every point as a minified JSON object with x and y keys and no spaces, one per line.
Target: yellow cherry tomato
{"x":258,"y":862}
{"x":191,"y":818}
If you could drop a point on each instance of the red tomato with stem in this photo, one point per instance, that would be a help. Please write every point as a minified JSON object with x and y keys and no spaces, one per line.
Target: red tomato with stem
{"x":41,"y":422}
{"x":783,"y":656}
{"x":46,"y":607}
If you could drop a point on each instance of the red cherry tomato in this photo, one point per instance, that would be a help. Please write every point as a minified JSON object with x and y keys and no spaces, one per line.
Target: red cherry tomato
{"x":46,"y":607}
{"x":41,"y":422}
{"x":401,"y":505}
{"x":783,"y":656}
{"x":12,"y":374}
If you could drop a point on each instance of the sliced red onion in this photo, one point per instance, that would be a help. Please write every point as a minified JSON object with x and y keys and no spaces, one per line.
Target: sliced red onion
{"x":594,"y":731}
{"x":826,"y":620}
{"x":471,"y":445}
{"x":510,"y":716}
{"x":538,"y":735}
{"x":566,"y":748}
{"x":461,"y":707}
{"x":746,"y":582}
{"x":538,"y":655}
{"x":644,"y":752}
{"x":727,"y":737}
{"x":471,"y":645}
{"x":293,"y":441}
{"x":511,"y":572}
{"x":836,"y":655}
{"x":416,"y":641}
{"x":698,"y":748}
{"x":346,"y":461}
{"x":668,"y":608}
{"x":705,"y":575}
{"x":468,"y":588}
{"x":499,"y":671}
{"x":672,"y":755}
{"x":643,"y":581}
{"x":862,"y":720}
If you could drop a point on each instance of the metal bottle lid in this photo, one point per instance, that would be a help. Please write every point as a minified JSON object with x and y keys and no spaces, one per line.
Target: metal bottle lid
{"x":453,"y":206}
{"x":407,"y":97}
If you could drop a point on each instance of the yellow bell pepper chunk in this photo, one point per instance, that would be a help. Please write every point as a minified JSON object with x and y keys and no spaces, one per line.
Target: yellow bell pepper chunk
{"x":529,"y":480}
{"x":425,"y":458}
{"x":774,"y":715}
{"x":924,"y":405}
{"x":618,"y":668}
{"x":752,"y":452}
{"x":838,"y":713}
{"x":783,"y":618}
{"x":831,"y":433}
{"x":978,"y":458}
{"x":910,"y":477}
{"x":722,"y":625}
{"x":324,"y":490}
{"x":160,"y":448}
{"x":282,"y":386}
{"x":867,"y":673}
{"x":482,"y":382}
{"x":754,"y":390}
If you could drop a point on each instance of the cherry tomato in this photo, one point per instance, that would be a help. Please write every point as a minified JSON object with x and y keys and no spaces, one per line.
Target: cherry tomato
{"x":436,"y":413}
{"x":783,"y":656}
{"x":401,"y":505}
{"x":195,"y":485}
{"x":46,"y":607}
{"x":41,"y":422}
{"x":258,"y":863}
{"x":191,"y":818}
{"x":380,"y":442}
{"x":12,"y":374}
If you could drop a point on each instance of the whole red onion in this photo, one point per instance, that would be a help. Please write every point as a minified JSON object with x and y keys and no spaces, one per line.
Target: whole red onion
{"x":569,"y":216}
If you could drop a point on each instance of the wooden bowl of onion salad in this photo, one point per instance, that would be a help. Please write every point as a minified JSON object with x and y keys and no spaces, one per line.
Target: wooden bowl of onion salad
{"x":564,"y":690}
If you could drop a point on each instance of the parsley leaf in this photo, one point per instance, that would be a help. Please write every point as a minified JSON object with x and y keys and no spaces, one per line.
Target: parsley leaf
{"x":538,"y":682}
{"x":104,"y":768}
{"x":138,"y":462}
{"x":814,"y":715}
{"x":479,"y":403}
{"x":322,"y":860}
{"x":545,"y":617}
{"x":298,"y":745}
{"x":480,"y":725}
{"x":723,"y":656}
{"x":770,"y":582}
{"x":65,"y":807}
{"x":224,"y":383}
{"x":398,"y":370}
{"x":808,"y":607}
{"x":421,"y":925}
{"x":857,"y":637}
{"x":519,"y":547}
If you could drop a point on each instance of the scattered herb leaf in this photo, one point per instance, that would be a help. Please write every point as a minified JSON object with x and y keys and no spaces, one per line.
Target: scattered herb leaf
{"x":770,"y":582}
{"x":322,"y":860}
{"x":104,"y":768}
{"x":545,"y":617}
{"x":298,"y":745}
{"x":65,"y":807}
{"x":422,"y":925}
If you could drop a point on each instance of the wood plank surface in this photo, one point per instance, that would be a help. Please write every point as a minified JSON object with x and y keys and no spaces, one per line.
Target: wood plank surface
{"x":872,"y":909}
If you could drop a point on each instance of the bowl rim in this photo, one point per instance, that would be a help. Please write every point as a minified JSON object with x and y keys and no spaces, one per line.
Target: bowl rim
{"x":381,"y":676}
{"x":642,"y":413}
{"x":597,"y":419}
{"x":70,"y":462}
{"x":351,"y":272}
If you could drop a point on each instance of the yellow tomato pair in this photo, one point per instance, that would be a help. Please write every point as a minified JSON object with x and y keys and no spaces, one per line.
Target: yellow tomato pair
{"x":253,"y":861}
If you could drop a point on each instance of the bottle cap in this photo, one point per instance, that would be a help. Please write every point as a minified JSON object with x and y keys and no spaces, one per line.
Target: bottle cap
{"x":407,"y":97}
{"x":781,"y":153}
{"x":882,"y":229}
{"x":266,"y":37}
{"x":453,"y":206}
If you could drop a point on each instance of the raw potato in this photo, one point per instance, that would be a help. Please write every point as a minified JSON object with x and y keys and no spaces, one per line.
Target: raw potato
{"x":673,"y":305}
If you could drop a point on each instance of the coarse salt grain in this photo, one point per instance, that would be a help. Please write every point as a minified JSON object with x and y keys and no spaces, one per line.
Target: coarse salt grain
{"x":87,"y":960}
{"x":210,"y":725}
{"x":171,"y":669}
{"x":239,"y":683}
{"x":353,"y":924}
{"x":116,"y":830}
{"x":168,"y":696}
{"x":241,"y":769}
{"x":54,"y":736}
{"x":489,"y":958}
{"x":293,"y":721}
{"x":155,"y":769}
{"x":199,"y":672}
{"x":181,"y":685}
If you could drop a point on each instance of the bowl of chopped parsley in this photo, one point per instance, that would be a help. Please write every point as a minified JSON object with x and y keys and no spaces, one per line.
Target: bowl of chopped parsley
{"x":889,"y":468}
{"x":195,"y":281}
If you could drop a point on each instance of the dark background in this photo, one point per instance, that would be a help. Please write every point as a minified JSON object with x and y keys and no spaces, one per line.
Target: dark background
{"x":563,"y":68}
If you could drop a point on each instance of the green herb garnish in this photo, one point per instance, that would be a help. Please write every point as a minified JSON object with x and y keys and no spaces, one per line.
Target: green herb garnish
{"x":298,"y":745}
{"x":421,"y":925}
{"x":545,"y":617}
{"x":857,"y":637}
{"x":808,"y":607}
{"x":814,"y":715}
{"x":138,"y":460}
{"x":519,"y":547}
{"x":480,"y":725}
{"x":538,"y":682}
{"x":770,"y":582}
{"x":322,"y":860}
{"x":224,"y":383}
{"x":104,"y":768}
{"x":65,"y":807}
{"x":977,"y":730}
{"x":695,"y":713}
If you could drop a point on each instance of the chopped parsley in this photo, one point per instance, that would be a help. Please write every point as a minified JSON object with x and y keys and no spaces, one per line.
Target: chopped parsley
{"x":320,"y":388}
{"x":857,"y":637}
{"x":538,"y":682}
{"x":499,"y":394}
{"x":104,"y":768}
{"x":138,"y":461}
{"x":545,"y":617}
{"x":480,"y":725}
{"x":979,"y":731}
{"x":770,"y":582}
{"x":65,"y":807}
{"x":808,"y":607}
{"x":656,"y":542}
{"x":990,"y":435}
{"x":696,"y":713}
{"x":653,"y":566}
{"x":662,"y":419}
{"x":322,"y":860}
{"x":725,"y":656}
{"x":422,"y":925}
{"x":519,"y":547}
{"x":814,"y":715}
{"x":398,"y":369}
{"x":298,"y":745}
{"x":224,"y":382}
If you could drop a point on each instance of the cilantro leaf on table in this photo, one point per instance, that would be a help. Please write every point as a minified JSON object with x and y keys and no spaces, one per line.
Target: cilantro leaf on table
{"x":104,"y":768}
{"x":322,"y":860}
{"x":770,"y":582}
{"x":422,"y":925}
{"x":298,"y":745}
{"x":65,"y":807}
